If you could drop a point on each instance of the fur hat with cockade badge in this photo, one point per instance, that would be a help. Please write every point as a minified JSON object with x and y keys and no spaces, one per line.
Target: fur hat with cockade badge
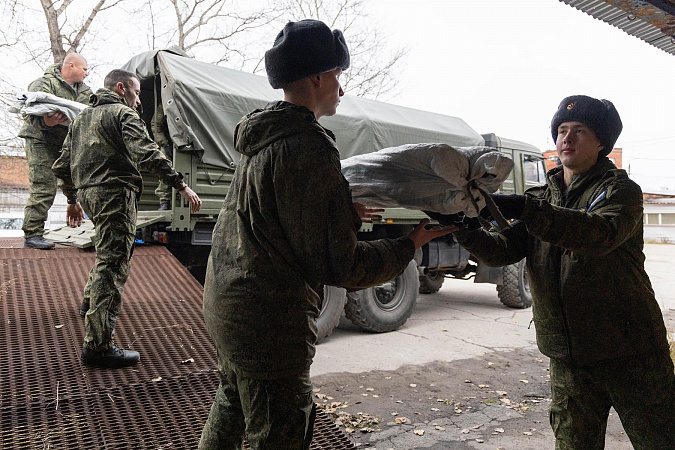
{"x":598,"y":115}
{"x":305,"y":48}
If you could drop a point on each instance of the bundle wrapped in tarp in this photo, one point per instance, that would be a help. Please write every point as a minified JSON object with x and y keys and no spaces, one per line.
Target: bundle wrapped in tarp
{"x":41,"y":103}
{"x":427,"y":177}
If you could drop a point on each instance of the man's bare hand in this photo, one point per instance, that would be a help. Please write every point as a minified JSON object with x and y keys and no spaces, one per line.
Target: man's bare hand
{"x":421,"y":235}
{"x":54,"y":119}
{"x":189,"y":195}
{"x":74,"y":215}
{"x":366,"y":213}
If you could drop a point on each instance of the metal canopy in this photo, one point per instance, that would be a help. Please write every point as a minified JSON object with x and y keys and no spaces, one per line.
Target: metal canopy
{"x":653,"y":21}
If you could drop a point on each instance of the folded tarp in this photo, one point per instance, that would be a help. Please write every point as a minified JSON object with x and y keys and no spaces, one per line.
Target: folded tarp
{"x":427,"y":177}
{"x":41,"y":103}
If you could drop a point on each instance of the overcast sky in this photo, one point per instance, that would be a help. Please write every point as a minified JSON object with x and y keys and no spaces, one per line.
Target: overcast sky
{"x":505,"y":65}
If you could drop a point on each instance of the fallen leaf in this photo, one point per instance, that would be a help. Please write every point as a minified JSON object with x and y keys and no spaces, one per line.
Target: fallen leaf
{"x":480,"y":441}
{"x":370,"y":389}
{"x":413,"y":385}
{"x":468,"y":381}
{"x":465,"y":431}
{"x":501,"y":392}
{"x":399,"y":401}
{"x":394,"y":414}
{"x":320,"y":396}
{"x":440,"y":428}
{"x":375,"y":396}
{"x":349,"y":430}
{"x":483,"y":386}
{"x":506,"y":401}
{"x":490,"y":365}
{"x":524,"y":381}
{"x":401,"y":420}
{"x":435,"y":409}
{"x":157,"y":379}
{"x":499,"y":430}
{"x":187,"y":361}
{"x":58,"y":326}
{"x":419,"y":432}
{"x":387,"y":378}
{"x":527,"y":433}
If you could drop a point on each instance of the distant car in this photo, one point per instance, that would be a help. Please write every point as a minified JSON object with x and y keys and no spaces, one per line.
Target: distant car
{"x":10,"y":224}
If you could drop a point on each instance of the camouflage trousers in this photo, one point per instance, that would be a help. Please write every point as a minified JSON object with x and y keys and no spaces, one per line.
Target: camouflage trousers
{"x":163,"y":191}
{"x":270,"y":414}
{"x":40,"y":157}
{"x":112,"y":210}
{"x":641,"y":390}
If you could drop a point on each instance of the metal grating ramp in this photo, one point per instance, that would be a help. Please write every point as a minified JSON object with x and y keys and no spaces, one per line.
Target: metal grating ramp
{"x":48,"y":400}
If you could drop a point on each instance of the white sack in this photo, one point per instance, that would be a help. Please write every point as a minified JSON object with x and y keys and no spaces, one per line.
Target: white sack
{"x":41,"y":103}
{"x":431,"y":177}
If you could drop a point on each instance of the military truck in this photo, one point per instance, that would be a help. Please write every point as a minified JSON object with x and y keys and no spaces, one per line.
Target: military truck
{"x":202,"y":104}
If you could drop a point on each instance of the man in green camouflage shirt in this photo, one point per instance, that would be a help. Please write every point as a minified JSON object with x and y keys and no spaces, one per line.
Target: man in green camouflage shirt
{"x":44,"y":137}
{"x":594,"y":309}
{"x":287,"y":227}
{"x":103,"y":153}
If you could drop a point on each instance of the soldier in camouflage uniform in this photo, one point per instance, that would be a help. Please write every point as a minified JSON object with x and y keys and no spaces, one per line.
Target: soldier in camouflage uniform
{"x":286,"y":228}
{"x":103,"y":153}
{"x":44,"y":137}
{"x":594,"y":309}
{"x":160,"y":134}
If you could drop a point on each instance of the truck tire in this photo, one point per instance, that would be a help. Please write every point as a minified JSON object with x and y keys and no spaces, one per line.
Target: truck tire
{"x":431,"y":282}
{"x":332,"y":306}
{"x":515,"y":292}
{"x":385,"y":307}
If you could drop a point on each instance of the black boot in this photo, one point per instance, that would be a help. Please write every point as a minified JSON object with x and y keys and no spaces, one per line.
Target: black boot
{"x":84,"y":308}
{"x":38,"y":242}
{"x":113,"y":358}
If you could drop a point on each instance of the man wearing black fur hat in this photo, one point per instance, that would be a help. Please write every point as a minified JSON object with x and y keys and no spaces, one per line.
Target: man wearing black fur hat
{"x":287,"y":227}
{"x":594,"y":309}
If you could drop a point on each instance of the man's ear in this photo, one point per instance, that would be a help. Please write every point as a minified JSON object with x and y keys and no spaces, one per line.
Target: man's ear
{"x":316,"y":79}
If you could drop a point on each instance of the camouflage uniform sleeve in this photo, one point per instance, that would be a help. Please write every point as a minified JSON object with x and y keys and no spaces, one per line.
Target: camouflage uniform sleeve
{"x":61,"y":169}
{"x":320,"y":222}
{"x":495,"y":248}
{"x":145,"y":152}
{"x":598,"y":232}
{"x":40,"y":85}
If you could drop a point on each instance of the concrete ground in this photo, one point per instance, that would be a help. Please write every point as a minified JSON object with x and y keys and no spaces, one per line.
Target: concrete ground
{"x":464,"y":372}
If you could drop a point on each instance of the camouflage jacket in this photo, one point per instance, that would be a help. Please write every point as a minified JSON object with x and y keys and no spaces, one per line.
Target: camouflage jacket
{"x":593,"y":300}
{"x":53,"y":83}
{"x":287,"y":227}
{"x":108,"y":144}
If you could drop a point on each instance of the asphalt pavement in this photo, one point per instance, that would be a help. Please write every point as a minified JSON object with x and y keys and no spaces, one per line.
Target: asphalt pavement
{"x":463,"y":351}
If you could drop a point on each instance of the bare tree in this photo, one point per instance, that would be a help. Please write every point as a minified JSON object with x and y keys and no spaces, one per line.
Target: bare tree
{"x":61,"y":32}
{"x":373,"y":63}
{"x":211,"y":29}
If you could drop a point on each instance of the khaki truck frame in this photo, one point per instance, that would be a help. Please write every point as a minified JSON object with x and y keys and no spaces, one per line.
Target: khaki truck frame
{"x":202,"y":104}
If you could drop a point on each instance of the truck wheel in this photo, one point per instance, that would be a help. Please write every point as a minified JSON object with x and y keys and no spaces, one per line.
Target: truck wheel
{"x":431,"y":282}
{"x":385,"y":307}
{"x":515,"y":292}
{"x":332,"y":305}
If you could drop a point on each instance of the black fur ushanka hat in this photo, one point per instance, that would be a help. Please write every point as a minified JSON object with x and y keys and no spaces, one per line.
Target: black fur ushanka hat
{"x":599,"y":115}
{"x":305,"y":48}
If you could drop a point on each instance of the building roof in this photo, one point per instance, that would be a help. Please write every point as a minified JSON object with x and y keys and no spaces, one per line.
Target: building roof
{"x":653,"y":21}
{"x":14,"y":172}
